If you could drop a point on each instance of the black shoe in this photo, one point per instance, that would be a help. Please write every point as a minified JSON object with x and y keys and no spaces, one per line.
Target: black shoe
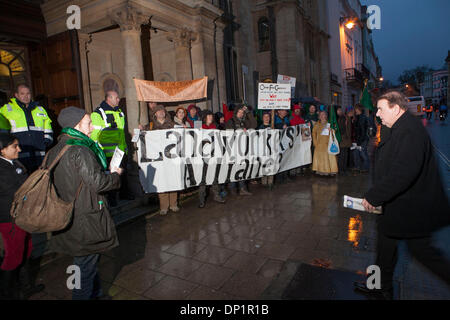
{"x":201,"y":204}
{"x":373,"y":294}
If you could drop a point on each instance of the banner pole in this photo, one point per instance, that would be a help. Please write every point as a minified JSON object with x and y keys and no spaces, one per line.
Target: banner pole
{"x":273,"y":119}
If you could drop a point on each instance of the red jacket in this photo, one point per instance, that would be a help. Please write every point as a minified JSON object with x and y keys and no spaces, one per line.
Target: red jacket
{"x":211,"y":126}
{"x":295,"y":120}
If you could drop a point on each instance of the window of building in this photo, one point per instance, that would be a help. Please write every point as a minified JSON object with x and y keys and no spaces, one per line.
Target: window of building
{"x":264,"y":34}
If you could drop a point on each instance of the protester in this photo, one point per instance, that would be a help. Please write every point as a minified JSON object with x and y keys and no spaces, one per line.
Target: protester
{"x":323,"y":162}
{"x":180,"y":118}
{"x":345,"y":128}
{"x":361,"y":156}
{"x":281,"y":119}
{"x":15,"y":271}
{"x":30,"y":123}
{"x":220,"y":120}
{"x":408,"y":187}
{"x":166,"y":199}
{"x":296,"y":116}
{"x":266,"y":180}
{"x":311,"y":117}
{"x":208,"y":124}
{"x":192,"y":115}
{"x":250,"y":120}
{"x":92,"y":230}
{"x":239,"y":122}
{"x":109,"y":125}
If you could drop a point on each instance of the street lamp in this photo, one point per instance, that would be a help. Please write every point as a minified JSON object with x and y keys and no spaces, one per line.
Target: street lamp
{"x":381,"y":79}
{"x":348,"y":22}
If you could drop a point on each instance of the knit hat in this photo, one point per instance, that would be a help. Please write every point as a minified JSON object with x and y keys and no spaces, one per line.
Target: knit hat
{"x":296,"y":106}
{"x":70,"y":117}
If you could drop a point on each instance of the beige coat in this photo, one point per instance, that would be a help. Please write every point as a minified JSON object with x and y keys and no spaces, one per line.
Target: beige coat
{"x":323,"y":163}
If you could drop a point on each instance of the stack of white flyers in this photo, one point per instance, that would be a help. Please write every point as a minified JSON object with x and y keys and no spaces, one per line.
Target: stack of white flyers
{"x":117,"y":158}
{"x":356,"y":204}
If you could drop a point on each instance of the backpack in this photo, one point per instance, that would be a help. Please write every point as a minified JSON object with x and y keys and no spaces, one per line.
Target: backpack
{"x":36,"y":206}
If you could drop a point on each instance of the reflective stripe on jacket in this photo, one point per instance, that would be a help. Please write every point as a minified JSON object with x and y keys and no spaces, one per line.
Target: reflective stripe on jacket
{"x":31,"y":125}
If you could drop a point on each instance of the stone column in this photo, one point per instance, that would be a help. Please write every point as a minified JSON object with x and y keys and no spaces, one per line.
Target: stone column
{"x":130,"y":19}
{"x":182,"y":39}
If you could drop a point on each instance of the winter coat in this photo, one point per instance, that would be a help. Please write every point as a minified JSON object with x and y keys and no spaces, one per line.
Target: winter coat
{"x":236,"y":123}
{"x":361,"y":125}
{"x":310,"y":118}
{"x":13,"y":176}
{"x":279,"y":123}
{"x":295,"y":120}
{"x":263,"y":126}
{"x":345,"y":128}
{"x":92,"y":229}
{"x":250,"y":120}
{"x":167,"y":124}
{"x":407,"y":182}
{"x":180,"y":122}
{"x":322,"y":161}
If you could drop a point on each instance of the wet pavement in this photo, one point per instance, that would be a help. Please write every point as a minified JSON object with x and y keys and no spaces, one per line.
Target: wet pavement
{"x":242,"y":249}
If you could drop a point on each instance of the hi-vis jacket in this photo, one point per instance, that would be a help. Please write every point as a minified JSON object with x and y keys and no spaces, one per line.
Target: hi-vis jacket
{"x":31,"y":125}
{"x":109,"y":128}
{"x":4,"y":124}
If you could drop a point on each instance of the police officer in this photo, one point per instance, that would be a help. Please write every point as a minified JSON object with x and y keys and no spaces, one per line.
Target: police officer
{"x":30,"y":123}
{"x":108,"y":121}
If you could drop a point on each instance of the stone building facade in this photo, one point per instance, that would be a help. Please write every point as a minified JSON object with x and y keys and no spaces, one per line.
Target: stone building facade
{"x":352,"y":53}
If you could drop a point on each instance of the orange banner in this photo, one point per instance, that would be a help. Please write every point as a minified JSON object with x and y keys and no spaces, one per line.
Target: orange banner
{"x":175,"y":91}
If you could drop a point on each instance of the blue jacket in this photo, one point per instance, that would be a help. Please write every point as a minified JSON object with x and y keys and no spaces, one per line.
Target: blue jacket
{"x":279,"y":123}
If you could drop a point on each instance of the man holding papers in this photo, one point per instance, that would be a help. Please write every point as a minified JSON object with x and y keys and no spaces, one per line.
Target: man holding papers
{"x":408,"y":187}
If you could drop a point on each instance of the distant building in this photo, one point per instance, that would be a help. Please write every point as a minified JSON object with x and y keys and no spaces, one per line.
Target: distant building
{"x":352,"y":53}
{"x":440,"y":84}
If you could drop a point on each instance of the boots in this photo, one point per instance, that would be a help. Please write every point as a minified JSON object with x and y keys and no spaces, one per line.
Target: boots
{"x":27,"y":287}
{"x":9,"y":285}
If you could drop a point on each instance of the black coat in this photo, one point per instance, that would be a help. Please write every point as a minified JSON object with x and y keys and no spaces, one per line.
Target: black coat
{"x":92,"y":229}
{"x":407,"y":182}
{"x":361,"y":126}
{"x":12,"y":176}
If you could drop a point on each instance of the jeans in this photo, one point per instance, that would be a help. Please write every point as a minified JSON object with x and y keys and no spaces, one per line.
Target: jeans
{"x":361,"y":157}
{"x":90,"y":282}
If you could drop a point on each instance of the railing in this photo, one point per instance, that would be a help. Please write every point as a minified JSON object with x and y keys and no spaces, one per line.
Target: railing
{"x":353,"y":75}
{"x":362,"y":68}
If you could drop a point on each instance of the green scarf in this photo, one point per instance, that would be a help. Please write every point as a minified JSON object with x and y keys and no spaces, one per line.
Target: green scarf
{"x":84,"y":140}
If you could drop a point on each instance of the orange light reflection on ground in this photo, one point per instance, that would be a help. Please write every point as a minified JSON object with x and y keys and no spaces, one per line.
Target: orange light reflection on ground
{"x":355,"y":227}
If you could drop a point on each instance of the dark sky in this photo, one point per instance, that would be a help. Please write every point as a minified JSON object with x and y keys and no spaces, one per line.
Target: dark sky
{"x":413,"y":33}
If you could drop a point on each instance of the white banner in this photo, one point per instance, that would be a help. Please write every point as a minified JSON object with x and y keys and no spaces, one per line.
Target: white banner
{"x":274,"y":96}
{"x":177,"y":159}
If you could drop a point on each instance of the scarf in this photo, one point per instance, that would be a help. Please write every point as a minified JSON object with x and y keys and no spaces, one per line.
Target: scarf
{"x":83,"y":140}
